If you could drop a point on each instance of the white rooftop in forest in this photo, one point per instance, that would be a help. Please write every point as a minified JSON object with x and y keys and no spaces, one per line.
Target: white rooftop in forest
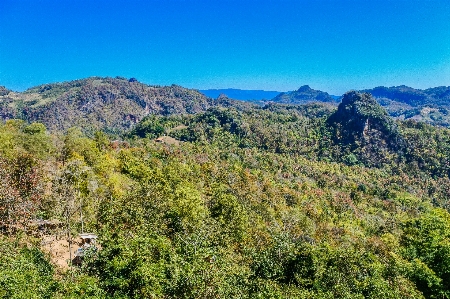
{"x":88,"y":236}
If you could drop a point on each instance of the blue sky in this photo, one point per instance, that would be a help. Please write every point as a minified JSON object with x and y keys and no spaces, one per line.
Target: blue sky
{"x":332,"y":45}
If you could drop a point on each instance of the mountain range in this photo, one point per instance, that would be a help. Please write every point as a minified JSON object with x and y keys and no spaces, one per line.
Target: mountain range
{"x":431,"y":105}
{"x":117,"y":104}
{"x":240,"y":94}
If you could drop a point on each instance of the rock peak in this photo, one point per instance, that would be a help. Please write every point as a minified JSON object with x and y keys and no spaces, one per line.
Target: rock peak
{"x":358,"y":116}
{"x":304,"y":88}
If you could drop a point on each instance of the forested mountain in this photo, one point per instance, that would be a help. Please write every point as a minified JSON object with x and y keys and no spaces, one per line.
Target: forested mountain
{"x":303,"y":95}
{"x":431,"y":105}
{"x":240,"y":94}
{"x":111,"y":104}
{"x":234,"y":201}
{"x":439,"y":96}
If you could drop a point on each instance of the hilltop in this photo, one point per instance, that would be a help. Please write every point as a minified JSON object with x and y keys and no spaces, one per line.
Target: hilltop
{"x":110,"y":104}
{"x":303,"y":95}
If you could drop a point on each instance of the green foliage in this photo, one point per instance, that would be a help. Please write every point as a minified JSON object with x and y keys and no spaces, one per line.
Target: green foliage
{"x":76,"y":144}
{"x":82,"y":286}
{"x":426,"y":243}
{"x":16,"y":136}
{"x":230,"y":214}
{"x":132,"y":267}
{"x":264,"y":202}
{"x":25,"y":272}
{"x":149,"y":127}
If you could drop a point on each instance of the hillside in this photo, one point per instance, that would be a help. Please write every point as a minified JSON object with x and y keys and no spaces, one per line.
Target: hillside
{"x":109,"y":104}
{"x":363,"y":129}
{"x":4,"y":91}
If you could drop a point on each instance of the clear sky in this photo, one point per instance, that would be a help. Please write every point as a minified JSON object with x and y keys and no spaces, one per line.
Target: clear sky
{"x":332,"y":45}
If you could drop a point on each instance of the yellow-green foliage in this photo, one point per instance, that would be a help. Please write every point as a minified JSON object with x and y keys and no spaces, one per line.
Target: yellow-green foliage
{"x":238,"y":210}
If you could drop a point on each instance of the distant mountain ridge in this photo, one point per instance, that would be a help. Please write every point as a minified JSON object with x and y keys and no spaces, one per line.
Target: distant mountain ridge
{"x":303,"y":95}
{"x":431,"y":105}
{"x":241,"y":94}
{"x":415,"y":97}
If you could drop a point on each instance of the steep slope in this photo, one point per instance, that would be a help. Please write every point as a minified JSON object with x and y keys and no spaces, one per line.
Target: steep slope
{"x":303,"y":95}
{"x":6,"y":111}
{"x":112,"y":104}
{"x":4,"y":91}
{"x":362,"y":126}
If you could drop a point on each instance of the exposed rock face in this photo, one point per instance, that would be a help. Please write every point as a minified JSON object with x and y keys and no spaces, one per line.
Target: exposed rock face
{"x":4,"y":91}
{"x":359,"y":113}
{"x":112,"y":104}
{"x":362,"y":125}
{"x":303,"y":95}
{"x":6,"y":112}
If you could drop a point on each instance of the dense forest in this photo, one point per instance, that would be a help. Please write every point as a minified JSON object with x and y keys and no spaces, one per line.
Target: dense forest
{"x":228,"y":200}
